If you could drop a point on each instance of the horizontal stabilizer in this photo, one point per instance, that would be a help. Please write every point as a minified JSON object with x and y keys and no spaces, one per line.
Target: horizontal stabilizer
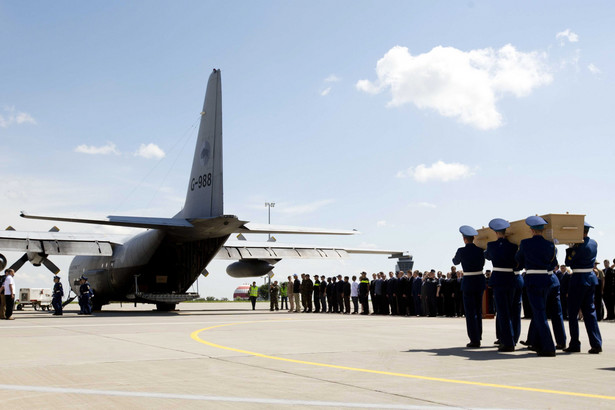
{"x":278,"y":229}
{"x":128,"y":221}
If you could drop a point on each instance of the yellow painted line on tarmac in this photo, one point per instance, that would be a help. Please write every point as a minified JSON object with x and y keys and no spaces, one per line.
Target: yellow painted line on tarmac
{"x":195,"y":336}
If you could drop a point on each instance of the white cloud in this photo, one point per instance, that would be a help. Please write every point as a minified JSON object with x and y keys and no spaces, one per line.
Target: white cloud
{"x":325,"y":92}
{"x":10,"y":116}
{"x":332,"y":79}
{"x":150,"y":151}
{"x":109,"y":148}
{"x":381,"y":223}
{"x":562,"y":36}
{"x":593,"y":69}
{"x":459,"y":84}
{"x":438,"y":171}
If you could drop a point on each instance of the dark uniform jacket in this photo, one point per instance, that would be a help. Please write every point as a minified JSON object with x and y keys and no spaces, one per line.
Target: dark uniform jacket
{"x":583,"y":256}
{"x":502,"y":253}
{"x":472,"y":259}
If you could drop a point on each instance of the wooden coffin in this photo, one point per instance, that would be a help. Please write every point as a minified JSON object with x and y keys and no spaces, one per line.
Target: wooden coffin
{"x":561,"y":228}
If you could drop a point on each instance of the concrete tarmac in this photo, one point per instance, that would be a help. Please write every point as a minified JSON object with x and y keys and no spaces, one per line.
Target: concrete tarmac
{"x":224,"y":355}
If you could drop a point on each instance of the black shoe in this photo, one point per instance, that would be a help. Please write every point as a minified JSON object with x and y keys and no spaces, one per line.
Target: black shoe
{"x":473,"y":345}
{"x":560,"y":347}
{"x":594,"y":350}
{"x":546,"y":354}
{"x":572,"y":349}
{"x":532,"y":348}
{"x":497,"y":342}
{"x":524,"y":343}
{"x":506,"y":348}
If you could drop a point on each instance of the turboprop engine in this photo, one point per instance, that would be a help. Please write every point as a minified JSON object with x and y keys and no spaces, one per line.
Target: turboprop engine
{"x":2,"y":262}
{"x":249,"y":268}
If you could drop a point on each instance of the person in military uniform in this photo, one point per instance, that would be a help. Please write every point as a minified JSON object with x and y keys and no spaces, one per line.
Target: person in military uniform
{"x":56,"y":300}
{"x":472,"y":261}
{"x":501,"y":253}
{"x":316,"y":294}
{"x":609,"y":290}
{"x":308,"y":289}
{"x":284,"y":295}
{"x":364,"y":291}
{"x":274,"y":292}
{"x":85,"y":294}
{"x":581,"y":258}
{"x":538,"y":256}
{"x":323,"y":294}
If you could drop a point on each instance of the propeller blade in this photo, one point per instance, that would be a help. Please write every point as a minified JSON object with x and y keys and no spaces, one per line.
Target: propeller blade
{"x":51,"y":266}
{"x":19,"y":263}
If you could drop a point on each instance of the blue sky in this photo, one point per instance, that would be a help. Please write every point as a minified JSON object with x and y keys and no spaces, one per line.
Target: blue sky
{"x":402,"y":119}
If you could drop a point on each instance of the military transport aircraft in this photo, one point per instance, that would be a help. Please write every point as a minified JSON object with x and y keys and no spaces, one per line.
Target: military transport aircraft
{"x":160,"y":264}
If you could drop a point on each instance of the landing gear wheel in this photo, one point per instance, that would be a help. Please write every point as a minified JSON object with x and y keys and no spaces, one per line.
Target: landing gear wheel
{"x":165,"y":307}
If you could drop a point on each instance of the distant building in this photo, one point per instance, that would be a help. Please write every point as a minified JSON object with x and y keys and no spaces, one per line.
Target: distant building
{"x":404,"y":264}
{"x":242,"y":292}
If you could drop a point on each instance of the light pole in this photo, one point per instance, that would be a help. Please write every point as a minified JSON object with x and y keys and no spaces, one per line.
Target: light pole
{"x":269,"y":205}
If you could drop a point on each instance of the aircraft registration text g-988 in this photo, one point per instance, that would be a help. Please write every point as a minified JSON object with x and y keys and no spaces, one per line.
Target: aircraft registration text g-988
{"x":201,"y":182}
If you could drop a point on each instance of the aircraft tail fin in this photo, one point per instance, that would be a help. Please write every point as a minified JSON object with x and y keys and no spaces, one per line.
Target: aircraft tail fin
{"x":204,"y":198}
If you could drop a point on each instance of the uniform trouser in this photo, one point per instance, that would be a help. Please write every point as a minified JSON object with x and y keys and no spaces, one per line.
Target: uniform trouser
{"x":9,"y":301}
{"x":291,"y":300}
{"x":2,"y":306}
{"x":297,"y":304}
{"x":284,"y":301}
{"x":346,"y":303}
{"x":355,"y":304}
{"x":85,"y":305}
{"x":581,"y":296}
{"x":564,"y":300}
{"x":609,"y":303}
{"x":364,"y":304}
{"x":554,"y":310}
{"x":273,"y":303}
{"x":56,"y":302}
{"x":253,"y":301}
{"x":432,"y":305}
{"x":323,"y":303}
{"x":393,"y":304}
{"x":417,"y":305}
{"x":308,"y":302}
{"x":316,"y":302}
{"x":402,"y":305}
{"x":504,"y":305}
{"x":472,"y":305}
{"x":340,"y":302}
{"x":515,"y":313}
{"x":384,"y":305}
{"x":537,"y":294}
{"x":598,"y":302}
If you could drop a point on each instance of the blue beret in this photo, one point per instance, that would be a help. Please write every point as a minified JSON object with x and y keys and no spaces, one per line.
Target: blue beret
{"x":83,"y":277}
{"x":586,"y":225}
{"x":536,"y":222}
{"x":468,"y":230}
{"x":498,"y":224}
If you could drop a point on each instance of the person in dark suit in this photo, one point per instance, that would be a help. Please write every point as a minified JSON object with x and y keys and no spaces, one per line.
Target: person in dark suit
{"x":339,"y":290}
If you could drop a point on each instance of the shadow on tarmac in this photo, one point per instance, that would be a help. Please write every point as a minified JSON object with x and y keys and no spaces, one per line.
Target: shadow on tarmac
{"x":485,"y":353}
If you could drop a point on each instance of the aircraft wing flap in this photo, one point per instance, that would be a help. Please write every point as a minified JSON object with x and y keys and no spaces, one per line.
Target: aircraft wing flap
{"x":20,"y":245}
{"x":77,"y":248}
{"x":279,"y":252}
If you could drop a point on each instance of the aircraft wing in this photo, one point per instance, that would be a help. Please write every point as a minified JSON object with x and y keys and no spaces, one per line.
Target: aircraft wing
{"x":58,"y":243}
{"x":250,"y":227}
{"x":240,"y":249}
